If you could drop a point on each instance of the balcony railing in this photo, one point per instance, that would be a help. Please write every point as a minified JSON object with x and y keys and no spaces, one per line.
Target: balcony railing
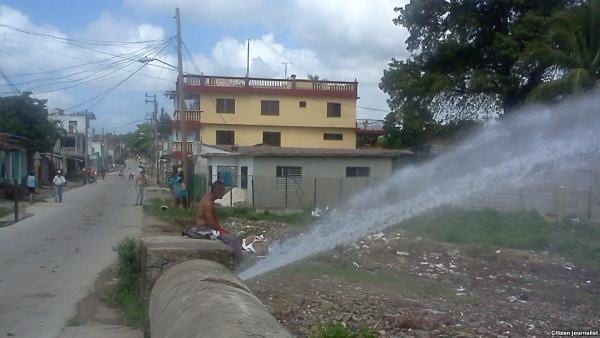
{"x":177,"y":147}
{"x":68,"y":150}
{"x":284,"y":84}
{"x":190,"y":115}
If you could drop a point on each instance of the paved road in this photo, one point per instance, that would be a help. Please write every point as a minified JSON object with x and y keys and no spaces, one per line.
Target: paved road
{"x":49,"y":262}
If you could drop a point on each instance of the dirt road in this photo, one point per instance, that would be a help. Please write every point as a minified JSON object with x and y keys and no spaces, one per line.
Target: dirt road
{"x":50,"y":261}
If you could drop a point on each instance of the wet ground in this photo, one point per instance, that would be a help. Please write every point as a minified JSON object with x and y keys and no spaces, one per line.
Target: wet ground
{"x":402,"y":285}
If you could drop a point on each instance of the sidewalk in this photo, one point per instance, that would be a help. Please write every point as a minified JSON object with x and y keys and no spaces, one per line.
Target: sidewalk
{"x":42,"y":194}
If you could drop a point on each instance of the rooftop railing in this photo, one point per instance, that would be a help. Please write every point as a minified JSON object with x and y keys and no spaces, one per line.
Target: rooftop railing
{"x":284,"y":84}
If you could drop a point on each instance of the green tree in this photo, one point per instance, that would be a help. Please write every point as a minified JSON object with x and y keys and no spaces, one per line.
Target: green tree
{"x":140,"y":141}
{"x":463,"y":48}
{"x":26,"y":116}
{"x":164,"y":124}
{"x":572,"y":49}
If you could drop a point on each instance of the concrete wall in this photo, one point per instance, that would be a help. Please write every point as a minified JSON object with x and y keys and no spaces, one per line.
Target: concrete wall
{"x":248,"y":111}
{"x":200,"y":298}
{"x":562,"y":194}
{"x":323,"y":183}
{"x":305,"y":137}
{"x":299,"y":127}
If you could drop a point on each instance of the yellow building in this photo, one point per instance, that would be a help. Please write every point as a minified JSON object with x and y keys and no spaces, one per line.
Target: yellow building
{"x":279,"y":112}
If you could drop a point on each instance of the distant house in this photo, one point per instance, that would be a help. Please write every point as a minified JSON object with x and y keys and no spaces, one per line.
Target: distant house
{"x":13,"y":158}
{"x":277,"y":177}
{"x":72,"y":146}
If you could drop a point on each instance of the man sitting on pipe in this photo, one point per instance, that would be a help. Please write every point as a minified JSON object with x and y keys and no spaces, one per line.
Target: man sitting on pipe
{"x":207,"y":224}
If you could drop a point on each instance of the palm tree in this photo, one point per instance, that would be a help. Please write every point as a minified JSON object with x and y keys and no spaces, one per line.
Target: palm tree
{"x":573,"y":48}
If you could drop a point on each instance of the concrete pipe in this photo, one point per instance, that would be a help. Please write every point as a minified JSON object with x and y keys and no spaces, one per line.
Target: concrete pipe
{"x":200,"y":298}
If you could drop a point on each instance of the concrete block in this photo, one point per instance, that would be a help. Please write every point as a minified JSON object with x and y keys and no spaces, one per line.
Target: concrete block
{"x":100,"y":331}
{"x":159,"y":253}
{"x":200,"y":298}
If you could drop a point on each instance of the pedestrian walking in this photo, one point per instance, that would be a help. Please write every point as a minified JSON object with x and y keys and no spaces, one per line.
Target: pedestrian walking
{"x":130,"y":173}
{"x":31,"y":183}
{"x":140,"y":184}
{"x":59,"y":181}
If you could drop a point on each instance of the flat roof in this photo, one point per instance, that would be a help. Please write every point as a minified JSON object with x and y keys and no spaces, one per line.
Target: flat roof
{"x":272,"y":151}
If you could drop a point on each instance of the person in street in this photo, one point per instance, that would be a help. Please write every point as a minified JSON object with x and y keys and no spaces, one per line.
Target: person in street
{"x":140,"y":185}
{"x":207,"y":224}
{"x":31,"y":183}
{"x":180,"y":192}
{"x":130,"y":173}
{"x":59,"y":181}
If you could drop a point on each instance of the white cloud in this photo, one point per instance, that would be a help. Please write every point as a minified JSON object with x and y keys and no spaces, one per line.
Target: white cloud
{"x":338,"y":39}
{"x":231,"y":12}
{"x":24,"y":54}
{"x":108,"y":27}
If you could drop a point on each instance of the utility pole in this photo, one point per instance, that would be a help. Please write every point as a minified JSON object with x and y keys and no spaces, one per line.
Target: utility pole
{"x":155,"y":132}
{"x":248,"y":60}
{"x":85,"y":146}
{"x":285,"y":64}
{"x":181,"y":102}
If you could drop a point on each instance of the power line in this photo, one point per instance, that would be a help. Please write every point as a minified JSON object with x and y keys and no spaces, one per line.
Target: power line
{"x":106,"y":92}
{"x":106,"y":72}
{"x":196,"y":68}
{"x":74,"y":41}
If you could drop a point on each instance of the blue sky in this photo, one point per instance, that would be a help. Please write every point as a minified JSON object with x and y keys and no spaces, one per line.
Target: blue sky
{"x":336,"y":39}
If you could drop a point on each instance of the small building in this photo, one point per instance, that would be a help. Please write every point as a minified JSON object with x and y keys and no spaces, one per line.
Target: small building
{"x":265,"y":176}
{"x":13,"y":159}
{"x":73,"y":144}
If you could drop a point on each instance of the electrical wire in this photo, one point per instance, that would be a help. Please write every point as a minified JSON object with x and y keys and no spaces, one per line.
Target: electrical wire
{"x":77,"y":65}
{"x":105,"y":93}
{"x":72,"y":41}
{"x":196,"y":68}
{"x":94,"y":77}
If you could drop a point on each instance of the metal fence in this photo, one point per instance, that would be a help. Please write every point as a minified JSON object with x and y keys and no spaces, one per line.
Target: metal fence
{"x":575,"y":193}
{"x":269,"y":192}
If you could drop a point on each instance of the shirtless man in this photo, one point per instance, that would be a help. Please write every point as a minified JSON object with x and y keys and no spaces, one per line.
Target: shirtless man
{"x":207,"y":224}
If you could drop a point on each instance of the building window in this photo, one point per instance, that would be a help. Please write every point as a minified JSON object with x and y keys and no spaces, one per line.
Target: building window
{"x":226,"y":106}
{"x":269,"y":107}
{"x":289,"y":178}
{"x":244,"y":177}
{"x":333,"y":137}
{"x":210,"y":175}
{"x":358,"y":172}
{"x":272,"y":138}
{"x":302,"y":104}
{"x":227,"y":175}
{"x":225,"y":137}
{"x":72,"y":127}
{"x":334,"y":109}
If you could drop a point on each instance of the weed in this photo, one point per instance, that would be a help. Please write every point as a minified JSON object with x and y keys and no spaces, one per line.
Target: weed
{"x":126,"y":294}
{"x":340,"y":330}
{"x":187,"y":215}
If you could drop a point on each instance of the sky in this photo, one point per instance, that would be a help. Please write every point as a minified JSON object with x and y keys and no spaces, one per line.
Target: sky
{"x":340,"y":40}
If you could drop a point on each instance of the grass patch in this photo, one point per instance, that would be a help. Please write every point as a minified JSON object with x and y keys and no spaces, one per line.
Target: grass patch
{"x":187,"y":215}
{"x":5,"y":212}
{"x":340,"y":330}
{"x":295,"y":218}
{"x":406,"y":285}
{"x":528,"y":230}
{"x":177,"y":215}
{"x":126,"y":295}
